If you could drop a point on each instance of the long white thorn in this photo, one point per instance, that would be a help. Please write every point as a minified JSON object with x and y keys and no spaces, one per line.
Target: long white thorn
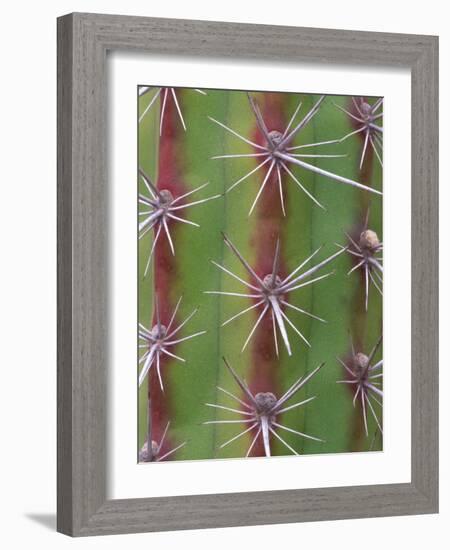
{"x":296,"y":387}
{"x":329,"y":142}
{"x":265,"y":161}
{"x":229,"y":409}
{"x":297,"y":269}
{"x":291,"y":120}
{"x":163,"y":110}
{"x":240,"y":421}
{"x":174,"y":95}
{"x":352,"y":133}
{"x":302,"y":123}
{"x":278,"y":316}
{"x":280,"y":189}
{"x":264,"y":311}
{"x":327,"y":174}
{"x":302,"y":187}
{"x":148,"y":363}
{"x":234,"y":397}
{"x":261,"y":189}
{"x":243,"y":261}
{"x":179,"y":340}
{"x":357,"y":107}
{"x":375,"y":389}
{"x":317,"y":156}
{"x":158,"y":370}
{"x":376,"y":151}
{"x":259,"y":119}
{"x":238,"y":436}
{"x":253,"y":442}
{"x":296,"y":405}
{"x":296,"y":432}
{"x":290,"y":288}
{"x":181,"y":325}
{"x":235,"y":276}
{"x":238,"y":294}
{"x":293,"y":451}
{"x":150,"y":256}
{"x":187,"y":205}
{"x":149,"y":105}
{"x":375,"y":284}
{"x":348,"y":113}
{"x":191,"y":192}
{"x":240,"y":156}
{"x":363,"y":261}
{"x":148,"y":186}
{"x":363,"y":154}
{"x":274,"y":326}
{"x":295,"y":328}
{"x":169,"y":238}
{"x":313,"y":269}
{"x":351,"y":373}
{"x":160,"y":458}
{"x":355,"y":397}
{"x":153,"y":216}
{"x":240,"y":383}
{"x":236,"y":134}
{"x":287,"y":304}
{"x":170,"y":354}
{"x":175,"y":311}
{"x":182,"y":220}
{"x":163,"y":437}
{"x":242,"y":313}
{"x":265,"y":433}
{"x":377,"y":365}
{"x":363,"y":403}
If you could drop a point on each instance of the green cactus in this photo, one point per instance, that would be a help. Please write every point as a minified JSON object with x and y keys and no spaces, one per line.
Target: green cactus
{"x":274,"y":199}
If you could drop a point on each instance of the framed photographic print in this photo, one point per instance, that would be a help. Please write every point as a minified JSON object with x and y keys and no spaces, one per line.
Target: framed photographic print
{"x":247,"y":274}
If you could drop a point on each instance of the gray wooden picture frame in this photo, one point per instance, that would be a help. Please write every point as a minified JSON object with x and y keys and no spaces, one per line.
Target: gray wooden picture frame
{"x":83,"y":42}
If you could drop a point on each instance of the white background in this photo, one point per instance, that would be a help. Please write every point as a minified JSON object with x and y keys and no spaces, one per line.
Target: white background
{"x":28,"y":300}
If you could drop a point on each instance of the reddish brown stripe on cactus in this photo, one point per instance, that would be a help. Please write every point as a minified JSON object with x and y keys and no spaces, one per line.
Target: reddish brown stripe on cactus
{"x":263,"y":372}
{"x":165,"y":268}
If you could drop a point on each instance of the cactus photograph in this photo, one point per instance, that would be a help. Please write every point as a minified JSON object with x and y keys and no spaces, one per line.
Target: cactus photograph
{"x":260,"y":274}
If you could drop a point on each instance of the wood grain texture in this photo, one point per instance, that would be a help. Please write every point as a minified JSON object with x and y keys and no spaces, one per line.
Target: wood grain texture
{"x":83,"y":41}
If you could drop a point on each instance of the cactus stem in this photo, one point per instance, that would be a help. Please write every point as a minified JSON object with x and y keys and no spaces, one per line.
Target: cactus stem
{"x":158,"y":339}
{"x":165,"y":92}
{"x":367,"y":260}
{"x":151,"y":450}
{"x":361,"y":375}
{"x":270,"y":292}
{"x":366,"y":114}
{"x":277,"y":150}
{"x":263,"y":410}
{"x":164,"y":208}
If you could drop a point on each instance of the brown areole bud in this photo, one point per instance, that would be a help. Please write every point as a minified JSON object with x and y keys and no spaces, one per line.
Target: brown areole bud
{"x":276,"y":137}
{"x":360,"y":361}
{"x":369,"y":241}
{"x":366,"y":109}
{"x":265,"y":401}
{"x":166,"y":198}
{"x":270,"y":282}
